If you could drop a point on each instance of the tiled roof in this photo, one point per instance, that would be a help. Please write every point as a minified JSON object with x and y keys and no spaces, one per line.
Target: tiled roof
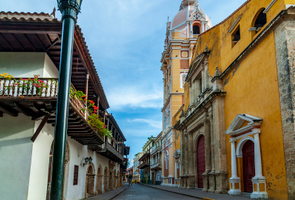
{"x":15,"y":16}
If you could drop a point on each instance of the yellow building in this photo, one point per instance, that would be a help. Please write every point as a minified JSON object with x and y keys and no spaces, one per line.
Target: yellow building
{"x":238,"y":117}
{"x":181,"y":37}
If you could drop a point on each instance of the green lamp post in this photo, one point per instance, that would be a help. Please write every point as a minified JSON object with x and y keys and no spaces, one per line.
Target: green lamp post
{"x":70,"y":10}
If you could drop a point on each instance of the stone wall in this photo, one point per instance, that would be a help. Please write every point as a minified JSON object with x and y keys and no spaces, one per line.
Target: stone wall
{"x":285,"y":51}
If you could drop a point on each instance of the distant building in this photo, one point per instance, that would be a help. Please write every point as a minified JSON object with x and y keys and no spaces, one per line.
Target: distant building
{"x":145,"y":163}
{"x":156,"y":160}
{"x":136,"y":170}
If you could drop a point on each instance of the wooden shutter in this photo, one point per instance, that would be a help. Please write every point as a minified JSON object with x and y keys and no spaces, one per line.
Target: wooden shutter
{"x":76,"y":173}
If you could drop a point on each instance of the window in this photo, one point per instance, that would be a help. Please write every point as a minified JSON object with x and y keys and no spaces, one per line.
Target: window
{"x":236,"y":36}
{"x":196,"y":30}
{"x":260,"y":21}
{"x":76,"y":173}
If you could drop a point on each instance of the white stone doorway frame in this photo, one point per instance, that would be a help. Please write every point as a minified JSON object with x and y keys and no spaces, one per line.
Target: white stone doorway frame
{"x":236,"y":131}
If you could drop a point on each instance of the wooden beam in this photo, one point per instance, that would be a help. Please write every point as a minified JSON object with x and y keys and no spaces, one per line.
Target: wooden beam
{"x":40,"y":127}
{"x":38,"y":116}
{"x":8,"y":110}
{"x":53,"y":43}
{"x":29,"y":31}
{"x":40,"y":42}
{"x":29,"y":41}
{"x":22,"y":109}
{"x":32,"y":106}
{"x":77,"y":135}
{"x":7,"y":43}
{"x":20,"y":44}
{"x":48,"y":105}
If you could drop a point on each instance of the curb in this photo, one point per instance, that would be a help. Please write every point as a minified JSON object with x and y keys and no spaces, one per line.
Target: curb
{"x":172,"y":192}
{"x":118,"y":194}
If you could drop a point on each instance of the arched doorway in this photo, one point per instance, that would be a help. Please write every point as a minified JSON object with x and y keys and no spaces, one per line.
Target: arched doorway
{"x":248,"y":165}
{"x":99,"y":180}
{"x":105,"y":179}
{"x":201,"y":165}
{"x":90,"y":181}
{"x":67,"y":159}
{"x":111,"y":180}
{"x":115,"y":180}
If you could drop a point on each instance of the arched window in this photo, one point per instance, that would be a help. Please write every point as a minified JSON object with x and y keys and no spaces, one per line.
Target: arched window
{"x":196,"y":30}
{"x":260,"y":20}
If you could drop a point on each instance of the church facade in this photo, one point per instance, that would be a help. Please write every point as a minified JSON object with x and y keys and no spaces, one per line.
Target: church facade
{"x":180,"y":40}
{"x":237,"y":124}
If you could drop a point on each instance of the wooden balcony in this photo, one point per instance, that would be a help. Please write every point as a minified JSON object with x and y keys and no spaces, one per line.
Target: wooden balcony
{"x":156,"y":150}
{"x":156,"y":166}
{"x":41,"y":104}
{"x":111,"y":153}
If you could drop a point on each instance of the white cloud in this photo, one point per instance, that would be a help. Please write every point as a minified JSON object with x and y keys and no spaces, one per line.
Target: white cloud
{"x":125,"y":97}
{"x":153,"y":123}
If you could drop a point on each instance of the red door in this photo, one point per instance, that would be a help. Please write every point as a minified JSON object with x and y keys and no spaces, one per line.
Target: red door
{"x":201,"y":160}
{"x":248,"y":166}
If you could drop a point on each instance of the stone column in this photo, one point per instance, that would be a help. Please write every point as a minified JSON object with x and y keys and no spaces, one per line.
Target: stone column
{"x":207,"y":155}
{"x":235,"y":185}
{"x":186,"y":159}
{"x":258,"y":181}
{"x":182,"y":157}
{"x":211,"y":173}
{"x":191,"y":182}
{"x":220,"y":158}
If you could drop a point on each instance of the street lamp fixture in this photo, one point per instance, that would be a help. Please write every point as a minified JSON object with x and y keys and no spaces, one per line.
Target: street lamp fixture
{"x":86,"y":161}
{"x":69,"y":10}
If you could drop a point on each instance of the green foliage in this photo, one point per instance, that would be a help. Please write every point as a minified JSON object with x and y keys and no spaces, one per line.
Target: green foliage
{"x":77,"y":94}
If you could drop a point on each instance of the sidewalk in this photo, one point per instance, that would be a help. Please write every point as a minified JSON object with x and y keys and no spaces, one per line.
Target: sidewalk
{"x":197,"y":193}
{"x":111,"y":194}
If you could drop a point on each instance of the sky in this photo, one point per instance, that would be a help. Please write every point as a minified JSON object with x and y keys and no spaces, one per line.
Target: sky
{"x":125,"y":39}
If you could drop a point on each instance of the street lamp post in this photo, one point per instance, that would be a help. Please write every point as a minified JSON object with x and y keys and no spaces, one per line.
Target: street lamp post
{"x":69,"y":10}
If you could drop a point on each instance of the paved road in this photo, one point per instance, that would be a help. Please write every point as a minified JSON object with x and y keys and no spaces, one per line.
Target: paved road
{"x":139,"y":192}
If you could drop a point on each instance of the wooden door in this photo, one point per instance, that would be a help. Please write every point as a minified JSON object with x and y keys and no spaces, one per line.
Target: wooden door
{"x":248,"y":166}
{"x":201,"y":160}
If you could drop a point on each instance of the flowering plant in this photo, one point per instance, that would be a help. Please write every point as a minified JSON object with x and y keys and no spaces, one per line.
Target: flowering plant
{"x":93,"y":119}
{"x":26,"y":84}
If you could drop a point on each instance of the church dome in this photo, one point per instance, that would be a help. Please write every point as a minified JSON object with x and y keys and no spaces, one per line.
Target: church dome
{"x":189,"y":11}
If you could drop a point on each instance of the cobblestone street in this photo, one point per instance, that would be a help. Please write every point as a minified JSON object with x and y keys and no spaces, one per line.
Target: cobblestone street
{"x":140,"y":192}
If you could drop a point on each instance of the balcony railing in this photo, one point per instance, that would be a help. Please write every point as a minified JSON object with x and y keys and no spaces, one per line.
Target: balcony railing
{"x":20,"y":88}
{"x":156,"y":165}
{"x":156,"y":149}
{"x":10,"y":88}
{"x":114,"y":151}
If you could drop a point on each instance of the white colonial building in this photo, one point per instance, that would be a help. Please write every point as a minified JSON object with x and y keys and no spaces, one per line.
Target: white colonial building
{"x":29,"y":46}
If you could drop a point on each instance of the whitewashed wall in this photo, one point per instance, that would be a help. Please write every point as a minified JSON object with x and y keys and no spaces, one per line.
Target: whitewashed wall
{"x":40,"y":163}
{"x":15,"y":156}
{"x":27,"y":64}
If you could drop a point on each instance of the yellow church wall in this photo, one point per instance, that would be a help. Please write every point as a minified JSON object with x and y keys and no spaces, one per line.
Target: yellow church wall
{"x":253,"y":89}
{"x":289,"y":2}
{"x":176,"y":104}
{"x":212,"y":41}
{"x":229,"y":52}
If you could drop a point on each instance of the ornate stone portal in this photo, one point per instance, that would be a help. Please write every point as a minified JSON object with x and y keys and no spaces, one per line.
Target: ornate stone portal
{"x":202,"y":126}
